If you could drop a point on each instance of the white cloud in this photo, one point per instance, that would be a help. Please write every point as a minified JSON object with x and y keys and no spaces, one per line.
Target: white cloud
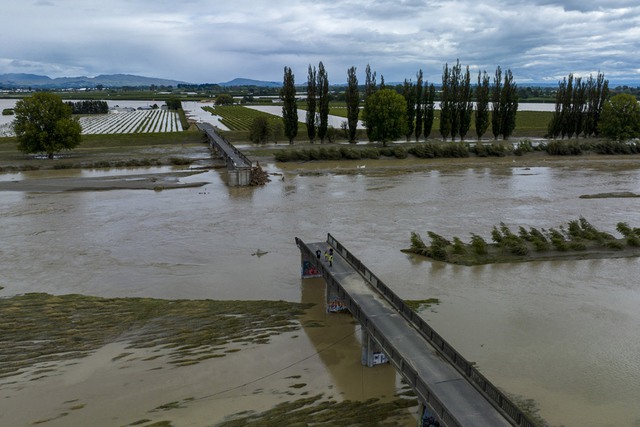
{"x":203,"y":41}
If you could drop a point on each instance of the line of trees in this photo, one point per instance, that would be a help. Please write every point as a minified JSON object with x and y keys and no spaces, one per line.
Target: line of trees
{"x":289,"y":105}
{"x":317,"y":103}
{"x":456,"y":106}
{"x":88,"y":107}
{"x":385,"y":119}
{"x":579,"y":106}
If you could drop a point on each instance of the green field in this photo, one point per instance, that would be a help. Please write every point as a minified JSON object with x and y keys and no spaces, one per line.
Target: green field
{"x":238,"y":119}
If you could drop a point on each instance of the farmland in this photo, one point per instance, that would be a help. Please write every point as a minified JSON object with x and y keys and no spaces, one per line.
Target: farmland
{"x":238,"y":118}
{"x":139,"y":121}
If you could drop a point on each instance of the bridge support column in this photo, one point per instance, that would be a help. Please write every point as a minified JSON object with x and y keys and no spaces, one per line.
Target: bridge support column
{"x":425,"y":417}
{"x":309,"y":268}
{"x":371,"y":352}
{"x":335,"y":304}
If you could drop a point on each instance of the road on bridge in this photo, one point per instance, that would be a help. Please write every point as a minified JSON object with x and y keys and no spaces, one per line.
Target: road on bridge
{"x":234,"y":156}
{"x":457,"y":394}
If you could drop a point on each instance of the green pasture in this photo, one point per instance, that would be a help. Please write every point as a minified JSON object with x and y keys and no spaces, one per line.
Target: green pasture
{"x":239,"y":118}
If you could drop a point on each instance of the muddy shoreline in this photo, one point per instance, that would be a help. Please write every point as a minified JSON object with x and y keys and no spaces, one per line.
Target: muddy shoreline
{"x":155,"y":181}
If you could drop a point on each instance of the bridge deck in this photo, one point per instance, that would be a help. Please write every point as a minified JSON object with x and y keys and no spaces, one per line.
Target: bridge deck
{"x":457,"y":395}
{"x":234,"y":156}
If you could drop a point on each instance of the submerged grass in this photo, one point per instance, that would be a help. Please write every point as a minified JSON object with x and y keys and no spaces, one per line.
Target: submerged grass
{"x":423,"y":304}
{"x":37,"y":328}
{"x":316,"y":411}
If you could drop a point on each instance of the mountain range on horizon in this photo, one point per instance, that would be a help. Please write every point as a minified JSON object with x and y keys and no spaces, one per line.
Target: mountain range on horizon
{"x":24,"y":80}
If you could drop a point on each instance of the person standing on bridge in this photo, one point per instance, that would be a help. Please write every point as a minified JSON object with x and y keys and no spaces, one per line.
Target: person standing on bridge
{"x":326,"y":255}
{"x":318,"y":253}
{"x":330,"y":260}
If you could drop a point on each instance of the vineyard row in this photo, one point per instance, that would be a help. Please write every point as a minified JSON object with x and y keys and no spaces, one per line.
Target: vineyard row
{"x":139,"y":121}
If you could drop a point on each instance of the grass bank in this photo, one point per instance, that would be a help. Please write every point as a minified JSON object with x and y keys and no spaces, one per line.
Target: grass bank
{"x":110,"y":150}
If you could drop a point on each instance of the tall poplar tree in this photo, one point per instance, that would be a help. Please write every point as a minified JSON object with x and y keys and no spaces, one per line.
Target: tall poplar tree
{"x":446,"y":104}
{"x":323,"y":102}
{"x":554,"y":128}
{"x":429,"y":110}
{"x":353,"y":104}
{"x":508,"y":105}
{"x":289,"y":106}
{"x":369,"y":82}
{"x":578,"y":106}
{"x":496,"y":92}
{"x":311,"y":103}
{"x":565,"y":115}
{"x":409,"y":94}
{"x":597,"y":94}
{"x":455,"y":78}
{"x":419,"y":113}
{"x":465,"y":105}
{"x":482,"y":104}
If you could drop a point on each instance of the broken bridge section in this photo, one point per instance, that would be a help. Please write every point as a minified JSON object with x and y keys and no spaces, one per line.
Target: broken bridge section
{"x":238,"y":165}
{"x":445,"y":382}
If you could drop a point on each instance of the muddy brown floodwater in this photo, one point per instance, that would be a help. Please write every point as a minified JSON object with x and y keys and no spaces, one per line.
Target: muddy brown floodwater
{"x":564,"y":334}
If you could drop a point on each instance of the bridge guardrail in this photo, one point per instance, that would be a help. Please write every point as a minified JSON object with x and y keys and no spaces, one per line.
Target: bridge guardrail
{"x":479,"y":381}
{"x":210,"y":130}
{"x":422,"y":389}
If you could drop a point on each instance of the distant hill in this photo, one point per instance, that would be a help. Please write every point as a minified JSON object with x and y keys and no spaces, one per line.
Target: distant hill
{"x":250,"y":82}
{"x":19,"y":80}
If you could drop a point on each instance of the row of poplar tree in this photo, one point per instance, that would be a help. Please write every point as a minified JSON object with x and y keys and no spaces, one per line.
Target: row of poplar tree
{"x":456,"y":106}
{"x":88,"y":107}
{"x":578,"y":107}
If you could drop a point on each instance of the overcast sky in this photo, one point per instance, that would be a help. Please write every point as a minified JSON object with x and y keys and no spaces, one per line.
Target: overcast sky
{"x":212,"y":41}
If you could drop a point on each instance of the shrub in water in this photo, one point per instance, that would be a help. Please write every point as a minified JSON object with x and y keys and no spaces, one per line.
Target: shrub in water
{"x":540,"y":245}
{"x":416,"y":241}
{"x":400,"y":152}
{"x":614,"y":244}
{"x":370,"y":153}
{"x":387,"y":152}
{"x":438,"y":246}
{"x":524,"y":234}
{"x":479,"y":245}
{"x":333,"y":154}
{"x":459,"y":247}
{"x":282,"y":155}
{"x":577,"y":246}
{"x":350,"y":153}
{"x":496,"y":236}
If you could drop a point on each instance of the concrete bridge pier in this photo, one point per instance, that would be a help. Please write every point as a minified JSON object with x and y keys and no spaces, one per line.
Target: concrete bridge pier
{"x":371,"y":352}
{"x":309,"y":267}
{"x":335,"y":303}
{"x":239,"y":177}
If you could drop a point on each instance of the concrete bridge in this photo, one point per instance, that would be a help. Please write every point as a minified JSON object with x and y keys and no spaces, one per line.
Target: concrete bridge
{"x":238,"y":165}
{"x":447,"y":385}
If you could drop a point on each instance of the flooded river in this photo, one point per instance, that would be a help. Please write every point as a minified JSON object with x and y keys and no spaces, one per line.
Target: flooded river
{"x":564,"y":334}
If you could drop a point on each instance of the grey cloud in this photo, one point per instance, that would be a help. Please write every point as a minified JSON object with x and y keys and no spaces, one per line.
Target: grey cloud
{"x":200,"y":40}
